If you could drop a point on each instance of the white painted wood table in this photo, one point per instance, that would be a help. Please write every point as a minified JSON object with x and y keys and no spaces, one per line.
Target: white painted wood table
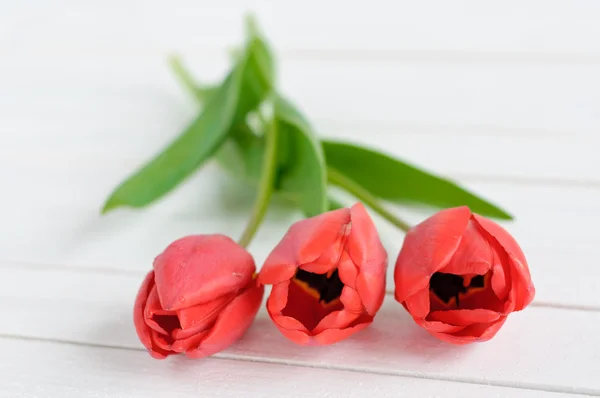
{"x":502,"y":96}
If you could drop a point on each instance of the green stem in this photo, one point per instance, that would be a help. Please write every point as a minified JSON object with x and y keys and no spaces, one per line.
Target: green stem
{"x":339,"y":179}
{"x":265,"y":186}
{"x":267,"y":179}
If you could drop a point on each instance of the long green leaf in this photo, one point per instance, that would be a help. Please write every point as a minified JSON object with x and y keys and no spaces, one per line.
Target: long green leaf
{"x":246,"y":86}
{"x":396,"y":181}
{"x":302,"y":165}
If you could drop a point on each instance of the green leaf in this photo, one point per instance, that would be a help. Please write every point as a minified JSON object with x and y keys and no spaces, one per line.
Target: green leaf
{"x":245,"y":87}
{"x":302,"y":170}
{"x":393,"y":180}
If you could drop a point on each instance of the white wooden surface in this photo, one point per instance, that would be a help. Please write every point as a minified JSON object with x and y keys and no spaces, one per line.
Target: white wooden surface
{"x":502,"y":96}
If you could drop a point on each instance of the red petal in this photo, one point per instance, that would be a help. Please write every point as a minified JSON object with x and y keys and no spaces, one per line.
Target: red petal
{"x":335,"y":320}
{"x":437,"y":327}
{"x":198,"y":268}
{"x":473,"y":255}
{"x":200,"y":317}
{"x":369,"y":256}
{"x":142,"y":329}
{"x":464,"y":317}
{"x":153,"y":308}
{"x":351,"y":300}
{"x":186,"y":344}
{"x":428,"y":247}
{"x":161,"y":341}
{"x":304,"y":242}
{"x":330,"y":257}
{"x":347,"y":270}
{"x":231,"y":323}
{"x":289,"y":323}
{"x":520,"y":275}
{"x":418,"y":304}
{"x":304,"y":306}
{"x":500,"y":281}
{"x":278,"y":297}
{"x":332,"y":336}
{"x":296,"y":336}
{"x":474,"y":333}
{"x":341,"y":319}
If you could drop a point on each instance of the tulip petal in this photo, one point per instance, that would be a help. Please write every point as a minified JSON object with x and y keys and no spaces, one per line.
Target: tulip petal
{"x":332,"y":336}
{"x":185,"y":344}
{"x":278,"y":297}
{"x":161,"y":341}
{"x":200,"y":317}
{"x":231,"y":323}
{"x":370,"y":257}
{"x":351,"y":311}
{"x":351,"y":300}
{"x":297,"y":336}
{"x":500,"y":279}
{"x":289,"y":323}
{"x":428,"y":247}
{"x":306,"y":308}
{"x":437,"y":327}
{"x":335,"y":320}
{"x":328,"y":260}
{"x":197,"y":268}
{"x":464,"y":317}
{"x":520,"y":275}
{"x":347,"y":270}
{"x":142,"y":329}
{"x":473,"y":255}
{"x":304,"y":242}
{"x":479,"y":332}
{"x":419,"y":304}
{"x":153,"y":309}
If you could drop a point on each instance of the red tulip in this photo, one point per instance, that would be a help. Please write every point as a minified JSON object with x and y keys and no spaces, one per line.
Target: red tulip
{"x":460,"y":275}
{"x":328,"y":277}
{"x":200,"y":297}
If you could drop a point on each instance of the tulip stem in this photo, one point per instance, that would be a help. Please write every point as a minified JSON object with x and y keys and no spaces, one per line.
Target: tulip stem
{"x":267,"y":179}
{"x":265,"y":185}
{"x":339,"y":179}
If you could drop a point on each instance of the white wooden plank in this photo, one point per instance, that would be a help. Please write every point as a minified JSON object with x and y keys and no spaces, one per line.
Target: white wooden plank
{"x":52,"y":217}
{"x":502,"y":121}
{"x":536,"y":349}
{"x":467,"y":25}
{"x":63,"y":370}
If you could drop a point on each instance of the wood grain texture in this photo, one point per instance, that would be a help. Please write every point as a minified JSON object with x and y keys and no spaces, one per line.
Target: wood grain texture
{"x":536,"y":349}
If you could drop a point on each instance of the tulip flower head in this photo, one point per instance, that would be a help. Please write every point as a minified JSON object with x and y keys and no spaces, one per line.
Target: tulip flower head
{"x":328,"y":277}
{"x":460,"y":275}
{"x":200,"y":297}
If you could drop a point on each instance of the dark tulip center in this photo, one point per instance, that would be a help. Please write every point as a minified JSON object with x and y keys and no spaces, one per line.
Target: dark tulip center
{"x":167,"y":322}
{"x":328,"y":287}
{"x":311,"y":297}
{"x":449,"y":286}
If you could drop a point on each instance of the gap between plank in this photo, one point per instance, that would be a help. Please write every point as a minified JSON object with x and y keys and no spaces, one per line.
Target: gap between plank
{"x":397,"y":373}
